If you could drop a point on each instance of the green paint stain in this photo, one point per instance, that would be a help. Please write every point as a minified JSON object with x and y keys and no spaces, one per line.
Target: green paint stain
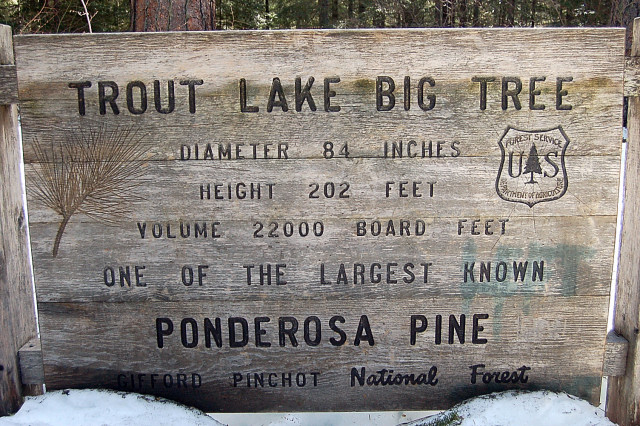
{"x":560,"y":262}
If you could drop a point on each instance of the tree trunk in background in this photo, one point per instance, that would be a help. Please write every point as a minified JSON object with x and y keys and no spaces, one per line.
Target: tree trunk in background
{"x":323,"y":13}
{"x":173,"y":15}
{"x":334,"y":12}
{"x":266,"y":13}
{"x":511,"y":13}
{"x":362,"y":8}
{"x":446,"y":14}
{"x":462,"y":15}
{"x":533,"y":13}
{"x":476,"y":13}
{"x":622,"y":14}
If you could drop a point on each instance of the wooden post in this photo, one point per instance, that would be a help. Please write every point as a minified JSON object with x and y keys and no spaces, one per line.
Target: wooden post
{"x":17,"y":312}
{"x":623,"y":406}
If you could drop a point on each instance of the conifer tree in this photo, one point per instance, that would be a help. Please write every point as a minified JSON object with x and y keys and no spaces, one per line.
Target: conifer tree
{"x":533,"y":163}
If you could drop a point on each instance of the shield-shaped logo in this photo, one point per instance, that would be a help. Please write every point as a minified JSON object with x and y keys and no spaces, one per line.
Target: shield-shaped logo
{"x":532,"y":166}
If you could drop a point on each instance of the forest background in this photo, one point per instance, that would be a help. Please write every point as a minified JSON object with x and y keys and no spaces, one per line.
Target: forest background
{"x":72,"y":16}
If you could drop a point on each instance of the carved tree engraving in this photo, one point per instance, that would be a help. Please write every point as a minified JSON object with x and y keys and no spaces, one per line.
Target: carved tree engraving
{"x":533,"y":164}
{"x":90,"y":171}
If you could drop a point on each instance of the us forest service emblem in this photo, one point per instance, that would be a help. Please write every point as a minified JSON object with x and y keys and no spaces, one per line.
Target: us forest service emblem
{"x":532,"y":166}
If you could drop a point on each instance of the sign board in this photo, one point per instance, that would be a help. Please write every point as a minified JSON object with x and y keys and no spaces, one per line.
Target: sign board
{"x":323,"y":220}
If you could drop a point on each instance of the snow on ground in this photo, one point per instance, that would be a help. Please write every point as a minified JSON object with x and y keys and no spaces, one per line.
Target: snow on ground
{"x":542,"y":408}
{"x":99,"y":407}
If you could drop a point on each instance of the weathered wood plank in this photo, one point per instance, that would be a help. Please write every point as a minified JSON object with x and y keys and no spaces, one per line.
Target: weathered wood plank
{"x":540,"y":153}
{"x":17,"y":312}
{"x":452,"y":63}
{"x":8,"y":85}
{"x":31,"y":366}
{"x":366,"y":138}
{"x":615,"y":355}
{"x":631,"y":77}
{"x":313,"y":264}
{"x":540,"y":333}
{"x":623,"y":402}
{"x":461,"y":186}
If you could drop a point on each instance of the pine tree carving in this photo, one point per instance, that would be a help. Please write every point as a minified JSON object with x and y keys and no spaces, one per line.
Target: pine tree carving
{"x":90,"y":171}
{"x":533,"y":164}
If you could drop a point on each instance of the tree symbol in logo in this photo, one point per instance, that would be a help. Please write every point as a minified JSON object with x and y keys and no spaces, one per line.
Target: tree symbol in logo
{"x":533,"y":164}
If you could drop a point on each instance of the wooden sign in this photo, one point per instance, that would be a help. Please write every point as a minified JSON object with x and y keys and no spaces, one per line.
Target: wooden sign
{"x":323,"y":220}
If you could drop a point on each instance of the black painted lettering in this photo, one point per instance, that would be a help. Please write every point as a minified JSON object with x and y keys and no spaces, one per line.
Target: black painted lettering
{"x":290,"y":331}
{"x":317,"y":331}
{"x":519,"y":270}
{"x":468,"y":272}
{"x":260,"y":332}
{"x":408,"y":270}
{"x":538,"y":270}
{"x":187,"y":275}
{"x":483,"y":89}
{"x":212,"y":329}
{"x":533,"y":92}
{"x":477,"y":328}
{"x":407,"y":93}
{"x":364,"y":332}
{"x":157,"y":97}
{"x":426,"y":266}
{"x":138,"y":273}
{"x":560,"y":93}
{"x":430,"y":97}
{"x":485,"y":271}
{"x":552,"y":163}
{"x":184,"y":334}
{"x":501,"y":271}
{"x":80,"y":86}
{"x":457,"y":327}
{"x":200,"y":230}
{"x":359,"y":376}
{"x":415,"y":328}
{"x":192,"y":92}
{"x":243,"y":98}
{"x":328,"y":94}
{"x":382,"y":92}
{"x":475,"y":373}
{"x":438,"y":333}
{"x":276,"y":89}
{"x":164,"y":327}
{"x":233,"y":337}
{"x":461,"y":225}
{"x":109,"y":276}
{"x":125,"y":276}
{"x":375,"y":277}
{"x":303,"y":94}
{"x":513,"y":92}
{"x":142,"y":89}
{"x":104,"y":98}
{"x":332,"y":325}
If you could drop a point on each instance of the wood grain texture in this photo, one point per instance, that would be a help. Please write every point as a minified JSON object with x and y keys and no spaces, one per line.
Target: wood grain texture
{"x":547,"y":240}
{"x":8,"y":85}
{"x":615,"y":355}
{"x":461,"y":187}
{"x":31,"y":366}
{"x":623,"y":403}
{"x":17,"y":311}
{"x":221,"y":60}
{"x":420,"y":186}
{"x":540,"y":333}
{"x":631,"y":78}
